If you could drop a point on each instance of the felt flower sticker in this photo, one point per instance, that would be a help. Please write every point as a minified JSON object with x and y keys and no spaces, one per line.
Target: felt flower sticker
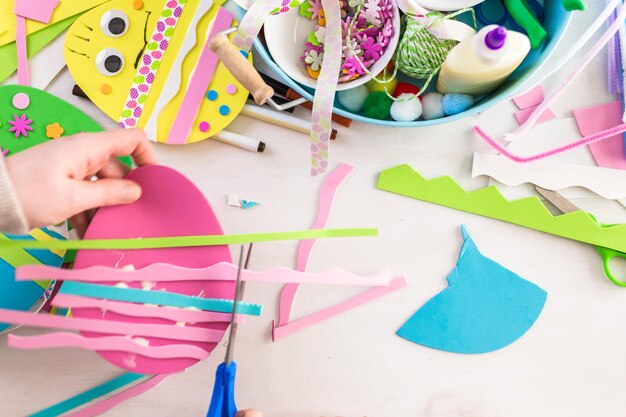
{"x":320,"y":34}
{"x":371,"y":49}
{"x":372,"y":7}
{"x":351,"y":47}
{"x":315,"y":8}
{"x":304,"y":9}
{"x":312,"y":39}
{"x":314,"y":59}
{"x":386,"y":9}
{"x":352,"y":65}
{"x":371,"y":16}
{"x":4,"y":152}
{"x":20,"y":125}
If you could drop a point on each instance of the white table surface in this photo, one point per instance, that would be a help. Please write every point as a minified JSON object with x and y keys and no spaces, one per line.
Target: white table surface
{"x":571,"y":363}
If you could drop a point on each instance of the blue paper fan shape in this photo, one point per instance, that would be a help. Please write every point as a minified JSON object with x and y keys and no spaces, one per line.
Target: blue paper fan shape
{"x":485,"y":307}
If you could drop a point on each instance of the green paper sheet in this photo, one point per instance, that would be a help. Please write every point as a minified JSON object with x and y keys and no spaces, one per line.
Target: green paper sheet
{"x":44,"y":109}
{"x":35,"y":43}
{"x":489,"y":202}
{"x":187,"y":241}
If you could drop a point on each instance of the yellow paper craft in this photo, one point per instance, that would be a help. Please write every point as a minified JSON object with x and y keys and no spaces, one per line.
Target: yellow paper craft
{"x":65,"y":9}
{"x":108,"y":66}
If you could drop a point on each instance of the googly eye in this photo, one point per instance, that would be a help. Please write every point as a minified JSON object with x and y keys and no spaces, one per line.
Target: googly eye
{"x":114,"y":23}
{"x":109,"y":62}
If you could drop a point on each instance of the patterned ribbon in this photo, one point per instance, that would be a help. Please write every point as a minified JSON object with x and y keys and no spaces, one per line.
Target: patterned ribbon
{"x":249,"y":29}
{"x":150,"y":63}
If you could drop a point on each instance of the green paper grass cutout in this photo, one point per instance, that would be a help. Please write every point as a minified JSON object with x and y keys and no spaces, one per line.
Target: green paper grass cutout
{"x":489,"y":202}
{"x":44,"y":109}
{"x":35,"y":43}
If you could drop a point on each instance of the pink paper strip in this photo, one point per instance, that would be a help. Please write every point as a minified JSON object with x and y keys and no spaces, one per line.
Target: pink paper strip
{"x":22,"y":51}
{"x":523,"y":115}
{"x":590,"y":120}
{"x":111,"y":402}
{"x":142,"y":310}
{"x":286,"y":330}
{"x":327,"y":196}
{"x":106,"y":344}
{"x":532,"y":98}
{"x":222,"y":271}
{"x":163,"y":331}
{"x":199,"y":83}
{"x":602,"y":135}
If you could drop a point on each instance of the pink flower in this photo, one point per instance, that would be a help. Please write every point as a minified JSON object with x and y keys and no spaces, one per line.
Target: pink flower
{"x":386,"y":10}
{"x":20,"y":125}
{"x":316,"y":7}
{"x":371,"y":16}
{"x":371,"y":49}
{"x":352,"y":64}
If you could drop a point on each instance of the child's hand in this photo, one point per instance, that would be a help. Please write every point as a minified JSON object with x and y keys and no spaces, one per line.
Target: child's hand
{"x":53,"y":180}
{"x":248,"y":413}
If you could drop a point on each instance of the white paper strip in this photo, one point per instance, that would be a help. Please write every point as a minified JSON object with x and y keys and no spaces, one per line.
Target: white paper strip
{"x":606,"y":182}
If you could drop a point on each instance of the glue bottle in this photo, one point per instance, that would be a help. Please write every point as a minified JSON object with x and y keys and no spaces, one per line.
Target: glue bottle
{"x":483,"y":62}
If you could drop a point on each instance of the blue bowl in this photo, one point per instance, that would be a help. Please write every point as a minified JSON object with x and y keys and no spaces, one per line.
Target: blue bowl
{"x":555,"y":21}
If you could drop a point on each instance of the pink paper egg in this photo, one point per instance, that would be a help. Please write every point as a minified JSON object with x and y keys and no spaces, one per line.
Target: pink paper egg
{"x":170,"y":205}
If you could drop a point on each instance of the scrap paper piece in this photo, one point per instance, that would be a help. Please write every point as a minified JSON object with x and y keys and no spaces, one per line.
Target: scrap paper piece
{"x":178,"y":315}
{"x":233,"y":200}
{"x":532,"y":98}
{"x":120,"y":382}
{"x":606,"y":182}
{"x":38,"y":10}
{"x":107,"y":343}
{"x":485,"y":307}
{"x":523,"y":115}
{"x":329,"y":190}
{"x":285,"y":330}
{"x":488,"y":202}
{"x":608,"y":153}
{"x":222,"y":271}
{"x":159,"y":297}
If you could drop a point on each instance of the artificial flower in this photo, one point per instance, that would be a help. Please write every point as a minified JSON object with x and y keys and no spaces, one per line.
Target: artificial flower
{"x":371,"y":49}
{"x":314,"y":59}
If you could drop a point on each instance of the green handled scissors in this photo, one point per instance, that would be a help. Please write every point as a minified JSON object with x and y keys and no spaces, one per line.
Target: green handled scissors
{"x":566,"y":206}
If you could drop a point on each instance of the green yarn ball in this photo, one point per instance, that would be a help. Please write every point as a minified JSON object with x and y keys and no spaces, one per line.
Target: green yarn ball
{"x":377,"y":106}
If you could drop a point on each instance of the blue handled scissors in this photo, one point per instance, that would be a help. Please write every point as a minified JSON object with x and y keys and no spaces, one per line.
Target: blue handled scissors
{"x":223,"y":399}
{"x":566,"y":206}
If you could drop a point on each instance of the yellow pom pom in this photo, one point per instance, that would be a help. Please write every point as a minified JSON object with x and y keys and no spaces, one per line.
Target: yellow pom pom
{"x":390,"y":85}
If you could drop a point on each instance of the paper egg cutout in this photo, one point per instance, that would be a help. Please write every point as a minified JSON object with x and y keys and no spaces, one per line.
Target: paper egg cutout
{"x":485,"y":307}
{"x":125,"y":58}
{"x":170,"y":205}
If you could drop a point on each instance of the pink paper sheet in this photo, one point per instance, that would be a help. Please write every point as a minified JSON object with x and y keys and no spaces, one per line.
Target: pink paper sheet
{"x":590,"y":120}
{"x":523,"y":115}
{"x":532,"y":98}
{"x":170,"y":205}
{"x":39,"y":10}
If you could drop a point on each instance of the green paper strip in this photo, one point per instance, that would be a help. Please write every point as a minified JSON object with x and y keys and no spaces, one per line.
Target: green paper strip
{"x":35,"y":43}
{"x":17,"y":257}
{"x":163,"y":298}
{"x":187,"y":241}
{"x":88,"y":396}
{"x":489,"y":202}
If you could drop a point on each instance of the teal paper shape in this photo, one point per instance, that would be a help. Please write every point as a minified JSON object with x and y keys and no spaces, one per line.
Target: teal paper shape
{"x":485,"y":307}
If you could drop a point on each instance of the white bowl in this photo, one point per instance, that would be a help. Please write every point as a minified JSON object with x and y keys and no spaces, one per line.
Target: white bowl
{"x":447,"y":5}
{"x":286,"y":34}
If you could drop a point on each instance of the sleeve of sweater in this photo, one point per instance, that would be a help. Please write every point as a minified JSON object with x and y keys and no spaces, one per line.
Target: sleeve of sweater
{"x":12,"y":218}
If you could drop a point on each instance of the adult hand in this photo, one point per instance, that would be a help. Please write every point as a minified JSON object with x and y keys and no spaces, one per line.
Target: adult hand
{"x":53,"y":181}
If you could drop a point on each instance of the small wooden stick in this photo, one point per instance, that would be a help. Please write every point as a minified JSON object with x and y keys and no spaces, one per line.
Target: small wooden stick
{"x":241,"y":68}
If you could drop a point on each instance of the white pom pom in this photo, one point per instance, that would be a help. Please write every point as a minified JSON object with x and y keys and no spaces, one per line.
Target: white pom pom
{"x":407,"y":108}
{"x":433,"y":106}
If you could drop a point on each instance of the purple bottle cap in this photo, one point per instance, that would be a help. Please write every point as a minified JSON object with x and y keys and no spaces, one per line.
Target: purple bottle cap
{"x":496,"y":38}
